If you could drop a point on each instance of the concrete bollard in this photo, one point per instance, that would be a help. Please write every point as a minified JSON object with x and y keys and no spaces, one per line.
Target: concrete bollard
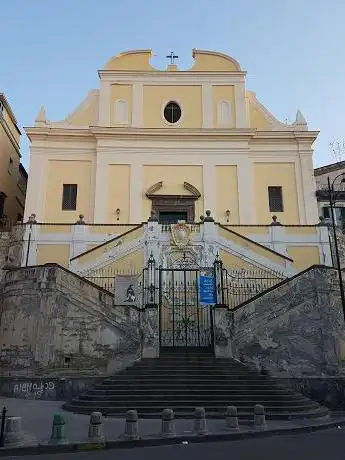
{"x":259,"y":417}
{"x":231,"y":421}
{"x":58,"y":435}
{"x":95,"y":427}
{"x":168,"y":424}
{"x":131,"y":426}
{"x":200,"y":424}
{"x":13,"y":435}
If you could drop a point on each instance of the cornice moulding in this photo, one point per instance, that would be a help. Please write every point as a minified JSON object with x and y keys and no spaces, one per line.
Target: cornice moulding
{"x":119,"y":133}
{"x":165,"y":74}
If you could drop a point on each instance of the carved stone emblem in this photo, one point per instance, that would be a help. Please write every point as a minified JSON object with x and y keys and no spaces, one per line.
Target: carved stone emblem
{"x":180,"y":234}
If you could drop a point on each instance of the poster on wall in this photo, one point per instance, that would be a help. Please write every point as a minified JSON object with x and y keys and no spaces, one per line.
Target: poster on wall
{"x":126,"y":290}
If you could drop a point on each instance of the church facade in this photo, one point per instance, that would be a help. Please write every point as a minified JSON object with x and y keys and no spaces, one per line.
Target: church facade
{"x":170,"y":145}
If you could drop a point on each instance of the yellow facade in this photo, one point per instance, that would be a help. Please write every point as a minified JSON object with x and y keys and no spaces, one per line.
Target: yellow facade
{"x":257,"y":118}
{"x":128,"y":160}
{"x":67,"y":172}
{"x":173,"y":178}
{"x":13,"y":176}
{"x":304,"y":257}
{"x":118,"y":193}
{"x":121,"y":93}
{"x":53,"y":253}
{"x":227,"y":194}
{"x":156,"y":97}
{"x":130,"y":60}
{"x":224,"y":93}
{"x":87,"y":113}
{"x":276,"y":174}
{"x":255,"y":249}
{"x":214,"y":62}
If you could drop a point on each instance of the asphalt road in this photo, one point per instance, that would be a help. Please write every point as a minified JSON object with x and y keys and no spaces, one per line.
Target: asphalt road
{"x":325,"y":445}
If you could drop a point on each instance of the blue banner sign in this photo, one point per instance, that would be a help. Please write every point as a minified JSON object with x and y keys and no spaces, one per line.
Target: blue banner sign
{"x":207,"y":290}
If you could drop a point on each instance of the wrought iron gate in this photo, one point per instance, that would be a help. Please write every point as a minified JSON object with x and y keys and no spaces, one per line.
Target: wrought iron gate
{"x":183,"y":321}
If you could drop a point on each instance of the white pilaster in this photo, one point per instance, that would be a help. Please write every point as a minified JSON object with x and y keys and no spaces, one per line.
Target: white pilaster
{"x":246,"y":192}
{"x":207,"y":106}
{"x":240,"y":106}
{"x":308,"y":189}
{"x":137,"y":105}
{"x":35,"y":193}
{"x":79,"y":239}
{"x":101,"y":190}
{"x":104,"y":104}
{"x":135,"y":197}
{"x":209,"y":183}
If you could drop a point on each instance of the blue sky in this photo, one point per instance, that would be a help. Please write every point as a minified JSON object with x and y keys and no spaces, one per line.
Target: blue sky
{"x":293,"y":51}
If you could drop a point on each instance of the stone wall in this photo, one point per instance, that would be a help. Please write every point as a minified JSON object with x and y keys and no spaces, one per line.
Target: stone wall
{"x":294,"y":330}
{"x":54,"y":322}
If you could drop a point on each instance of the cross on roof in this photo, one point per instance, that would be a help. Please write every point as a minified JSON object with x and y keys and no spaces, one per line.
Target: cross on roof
{"x":172,"y":57}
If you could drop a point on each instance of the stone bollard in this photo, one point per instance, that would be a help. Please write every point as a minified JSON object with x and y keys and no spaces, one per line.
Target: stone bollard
{"x":200,"y":424}
{"x":231,"y":420}
{"x":131,"y":427}
{"x":95,"y":427}
{"x":168,"y":424}
{"x":13,"y":435}
{"x":58,"y":430}
{"x":259,"y":417}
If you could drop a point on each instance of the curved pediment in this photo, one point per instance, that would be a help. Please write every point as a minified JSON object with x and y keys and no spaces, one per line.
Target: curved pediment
{"x":186,"y":185}
{"x":212,"y":61}
{"x":131,"y":60}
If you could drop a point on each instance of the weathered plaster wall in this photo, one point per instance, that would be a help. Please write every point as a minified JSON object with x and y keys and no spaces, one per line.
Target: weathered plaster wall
{"x":297,"y":329}
{"x":54,"y":320}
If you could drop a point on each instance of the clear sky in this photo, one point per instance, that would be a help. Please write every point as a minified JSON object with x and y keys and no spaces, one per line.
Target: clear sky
{"x":293,"y":51}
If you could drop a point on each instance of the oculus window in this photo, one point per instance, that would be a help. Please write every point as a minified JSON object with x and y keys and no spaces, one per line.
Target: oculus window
{"x":172,"y":112}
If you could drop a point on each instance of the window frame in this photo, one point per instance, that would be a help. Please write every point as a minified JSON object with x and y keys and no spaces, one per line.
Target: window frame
{"x":69,"y":208}
{"x":163,"y":106}
{"x":270,"y":204}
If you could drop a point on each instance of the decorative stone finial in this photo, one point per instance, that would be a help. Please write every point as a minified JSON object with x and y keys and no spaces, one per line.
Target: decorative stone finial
{"x":208,"y":217}
{"x":153,"y":217}
{"x":275,"y":221}
{"x":81,"y":220}
{"x":41,"y":118}
{"x":32,"y":219}
{"x":323,"y":222}
{"x":300,"y":122}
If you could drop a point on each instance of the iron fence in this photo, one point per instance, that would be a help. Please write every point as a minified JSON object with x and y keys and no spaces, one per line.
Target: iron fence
{"x":241,"y":285}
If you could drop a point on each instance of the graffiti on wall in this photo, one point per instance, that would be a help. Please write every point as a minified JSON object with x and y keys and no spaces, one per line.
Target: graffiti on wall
{"x":32,"y":389}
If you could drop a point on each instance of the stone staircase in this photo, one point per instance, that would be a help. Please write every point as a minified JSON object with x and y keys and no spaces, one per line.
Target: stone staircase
{"x":182,"y":380}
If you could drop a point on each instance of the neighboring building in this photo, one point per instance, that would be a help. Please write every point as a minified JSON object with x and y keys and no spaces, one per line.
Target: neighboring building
{"x":334,"y":172}
{"x":13,"y":177}
{"x":170,"y":144}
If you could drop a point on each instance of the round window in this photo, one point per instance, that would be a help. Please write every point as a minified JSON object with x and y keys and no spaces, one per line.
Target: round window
{"x":172,"y":112}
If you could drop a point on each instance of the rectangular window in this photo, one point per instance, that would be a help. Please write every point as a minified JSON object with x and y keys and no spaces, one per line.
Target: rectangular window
{"x":69,"y":197}
{"x":10,"y":166}
{"x":325,"y":212}
{"x":275,"y":199}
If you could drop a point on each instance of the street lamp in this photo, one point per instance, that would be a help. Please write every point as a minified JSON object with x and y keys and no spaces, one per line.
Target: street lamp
{"x":332,"y":201}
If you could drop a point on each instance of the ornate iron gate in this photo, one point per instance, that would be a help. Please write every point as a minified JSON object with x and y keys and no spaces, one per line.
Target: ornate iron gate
{"x":183,"y":321}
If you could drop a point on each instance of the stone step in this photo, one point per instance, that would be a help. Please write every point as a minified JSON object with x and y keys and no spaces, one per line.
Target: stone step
{"x":238,"y":392}
{"x":183,"y":382}
{"x":187,"y":377}
{"x":170,"y":399}
{"x":165,"y":402}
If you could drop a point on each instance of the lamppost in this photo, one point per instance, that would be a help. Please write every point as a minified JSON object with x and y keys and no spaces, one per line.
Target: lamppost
{"x":332,"y":201}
